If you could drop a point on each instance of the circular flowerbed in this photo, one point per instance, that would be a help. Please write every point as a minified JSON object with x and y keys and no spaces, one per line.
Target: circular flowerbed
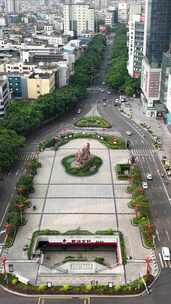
{"x":89,"y":168}
{"x":93,"y":121}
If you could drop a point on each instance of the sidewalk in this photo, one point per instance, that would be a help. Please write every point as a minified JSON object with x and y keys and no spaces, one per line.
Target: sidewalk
{"x":158,"y":127}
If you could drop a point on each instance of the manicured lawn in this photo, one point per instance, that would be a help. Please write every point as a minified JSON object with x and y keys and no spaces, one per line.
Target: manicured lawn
{"x":89,"y":168}
{"x":93,"y":121}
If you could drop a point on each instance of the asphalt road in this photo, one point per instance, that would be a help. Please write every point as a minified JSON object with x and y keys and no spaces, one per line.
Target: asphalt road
{"x":147,"y":160}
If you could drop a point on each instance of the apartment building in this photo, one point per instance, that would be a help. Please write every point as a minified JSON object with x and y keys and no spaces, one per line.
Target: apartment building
{"x":40,"y":84}
{"x":78,"y":18}
{"x":136,"y":41}
{"x":157,"y":33}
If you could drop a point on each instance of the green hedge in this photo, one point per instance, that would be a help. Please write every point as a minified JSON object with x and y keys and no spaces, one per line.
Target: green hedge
{"x":107,"y":140}
{"x":131,"y":288}
{"x":24,"y":187}
{"x":93,"y":121}
{"x":140,"y":201}
{"x":89,"y":168}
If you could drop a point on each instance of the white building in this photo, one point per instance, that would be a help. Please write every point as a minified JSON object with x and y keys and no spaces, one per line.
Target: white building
{"x":136,"y":40}
{"x":12,"y":6}
{"x":123,"y":8}
{"x":78,"y":18}
{"x":150,"y":85}
{"x":168,"y":103}
{"x":101,"y":4}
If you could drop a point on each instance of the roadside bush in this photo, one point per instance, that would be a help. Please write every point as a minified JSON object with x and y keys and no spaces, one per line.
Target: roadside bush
{"x":14,"y":281}
{"x":25,"y":185}
{"x":42,"y":287}
{"x":66,"y":287}
{"x":99,"y":260}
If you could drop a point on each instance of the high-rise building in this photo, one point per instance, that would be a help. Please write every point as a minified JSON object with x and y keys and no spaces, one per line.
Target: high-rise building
{"x":78,"y":18}
{"x":12,"y":6}
{"x":136,"y":39}
{"x":101,"y":4}
{"x":157,"y":30}
{"x":123,"y":9}
{"x":157,"y":33}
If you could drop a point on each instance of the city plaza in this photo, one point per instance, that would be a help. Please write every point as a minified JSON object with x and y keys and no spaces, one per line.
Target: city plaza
{"x":65,"y":203}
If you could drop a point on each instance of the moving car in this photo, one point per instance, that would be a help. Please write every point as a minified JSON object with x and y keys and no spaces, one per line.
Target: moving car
{"x":149,"y":176}
{"x":166,"y":253}
{"x":129,"y":133}
{"x":78,"y":111}
{"x":145,"y":185}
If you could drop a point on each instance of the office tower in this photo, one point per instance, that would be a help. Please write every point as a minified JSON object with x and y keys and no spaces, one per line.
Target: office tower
{"x":123,"y":9}
{"x":78,"y":18}
{"x":12,"y":6}
{"x":101,"y":4}
{"x":135,"y":49}
{"x":157,"y":30}
{"x":156,"y":41}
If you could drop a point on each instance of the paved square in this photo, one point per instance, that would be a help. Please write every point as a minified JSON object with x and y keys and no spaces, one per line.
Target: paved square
{"x":64,"y":202}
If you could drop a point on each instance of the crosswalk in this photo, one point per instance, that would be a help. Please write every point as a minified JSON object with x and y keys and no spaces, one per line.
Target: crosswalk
{"x":3,"y":253}
{"x":27,"y":156}
{"x":164,"y":264}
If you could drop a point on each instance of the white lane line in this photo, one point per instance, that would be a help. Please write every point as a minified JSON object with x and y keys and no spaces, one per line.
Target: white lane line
{"x":161,"y":261}
{"x":167,"y":234}
{"x":157,"y":234}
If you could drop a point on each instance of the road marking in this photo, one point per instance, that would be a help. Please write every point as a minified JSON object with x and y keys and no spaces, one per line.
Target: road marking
{"x":157,"y":233}
{"x":168,"y":236}
{"x":161,"y":261}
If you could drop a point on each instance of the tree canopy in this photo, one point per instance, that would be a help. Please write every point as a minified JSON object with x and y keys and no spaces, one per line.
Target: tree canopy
{"x":117,"y":75}
{"x":22,"y":118}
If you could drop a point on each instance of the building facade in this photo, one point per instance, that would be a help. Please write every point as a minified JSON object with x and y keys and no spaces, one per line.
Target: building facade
{"x":136,"y":40}
{"x":40,"y":84}
{"x":157,"y":33}
{"x":78,"y":18}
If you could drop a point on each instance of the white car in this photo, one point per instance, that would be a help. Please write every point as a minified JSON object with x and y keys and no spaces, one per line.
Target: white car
{"x":129,"y":133}
{"x":166,"y":253}
{"x":149,"y":176}
{"x":78,"y":111}
{"x":145,"y":185}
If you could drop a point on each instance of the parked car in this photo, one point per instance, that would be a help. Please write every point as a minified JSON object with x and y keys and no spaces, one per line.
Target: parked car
{"x":145,"y":185}
{"x":166,"y":253}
